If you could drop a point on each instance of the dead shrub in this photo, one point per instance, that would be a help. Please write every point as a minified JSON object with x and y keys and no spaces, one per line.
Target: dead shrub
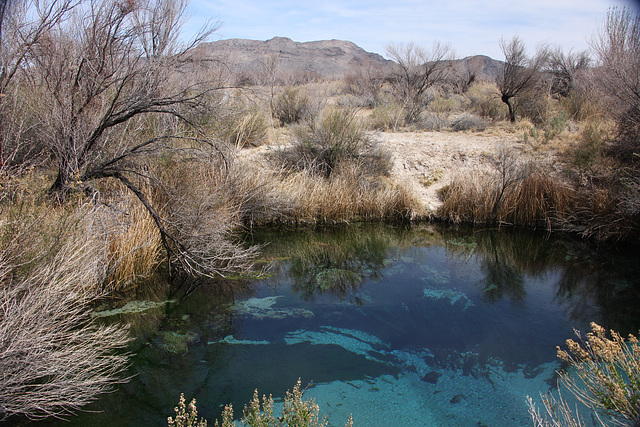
{"x":54,"y":359}
{"x":468,"y":121}
{"x":202,"y":211}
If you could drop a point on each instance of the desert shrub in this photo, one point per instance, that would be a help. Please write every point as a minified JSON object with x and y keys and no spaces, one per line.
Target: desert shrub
{"x":322,"y":144}
{"x":581,"y":105}
{"x":291,"y":106}
{"x":433,"y":121}
{"x":388,"y":116}
{"x":242,"y":126}
{"x":544,"y":133}
{"x":617,"y":46}
{"x":604,"y":375}
{"x":534,"y":105}
{"x":627,"y":142}
{"x":468,"y":121}
{"x":365,"y":84}
{"x":485,"y":101}
{"x":296,"y":412}
{"x":590,"y":147}
{"x":442,"y":104}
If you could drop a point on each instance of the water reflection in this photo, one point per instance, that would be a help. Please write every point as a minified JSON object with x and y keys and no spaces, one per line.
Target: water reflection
{"x":368,"y":301}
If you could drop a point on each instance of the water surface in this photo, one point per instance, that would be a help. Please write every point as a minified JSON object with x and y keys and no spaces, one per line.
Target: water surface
{"x":421,"y":326}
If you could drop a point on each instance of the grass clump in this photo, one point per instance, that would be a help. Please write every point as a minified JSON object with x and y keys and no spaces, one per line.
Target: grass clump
{"x":514,"y":194}
{"x":243,"y":128}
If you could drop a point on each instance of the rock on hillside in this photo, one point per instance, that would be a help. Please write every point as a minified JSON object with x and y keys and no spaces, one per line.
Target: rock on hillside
{"x":329,"y":58}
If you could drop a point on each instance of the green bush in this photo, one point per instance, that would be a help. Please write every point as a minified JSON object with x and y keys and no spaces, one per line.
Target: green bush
{"x":335,"y":137}
{"x":389,"y":116}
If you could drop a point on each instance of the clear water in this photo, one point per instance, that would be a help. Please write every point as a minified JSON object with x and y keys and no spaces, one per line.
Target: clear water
{"x":419,"y":326}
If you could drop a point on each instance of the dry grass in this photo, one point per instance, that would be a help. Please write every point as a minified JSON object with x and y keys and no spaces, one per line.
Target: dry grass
{"x":535,"y":200}
{"x":345,"y":197}
{"x":134,"y":247}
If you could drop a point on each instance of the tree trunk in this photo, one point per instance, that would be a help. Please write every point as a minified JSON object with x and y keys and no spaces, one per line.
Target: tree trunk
{"x":512,"y":111}
{"x":62,"y":185}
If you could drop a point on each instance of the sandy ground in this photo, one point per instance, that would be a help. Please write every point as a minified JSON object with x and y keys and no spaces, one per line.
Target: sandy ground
{"x":427,"y":161}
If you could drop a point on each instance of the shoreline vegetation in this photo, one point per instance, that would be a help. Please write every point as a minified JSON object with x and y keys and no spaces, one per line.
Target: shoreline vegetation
{"x":124,"y":154}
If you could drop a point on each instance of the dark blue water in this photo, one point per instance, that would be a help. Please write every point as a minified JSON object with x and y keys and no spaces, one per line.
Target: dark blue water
{"x":397,"y":326}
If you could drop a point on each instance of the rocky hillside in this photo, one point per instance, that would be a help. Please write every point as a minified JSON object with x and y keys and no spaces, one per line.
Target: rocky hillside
{"x":328,"y":58}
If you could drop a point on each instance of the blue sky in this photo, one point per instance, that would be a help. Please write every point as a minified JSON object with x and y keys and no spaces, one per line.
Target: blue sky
{"x":470,"y":27}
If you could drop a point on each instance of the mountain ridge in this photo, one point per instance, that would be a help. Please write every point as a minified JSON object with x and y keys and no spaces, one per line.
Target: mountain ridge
{"x":328,"y":58}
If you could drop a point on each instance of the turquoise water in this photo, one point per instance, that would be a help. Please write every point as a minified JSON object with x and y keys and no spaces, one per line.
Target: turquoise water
{"x":420,"y":326}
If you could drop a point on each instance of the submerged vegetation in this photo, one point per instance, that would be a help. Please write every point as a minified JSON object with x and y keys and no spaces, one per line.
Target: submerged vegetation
{"x":124,"y":154}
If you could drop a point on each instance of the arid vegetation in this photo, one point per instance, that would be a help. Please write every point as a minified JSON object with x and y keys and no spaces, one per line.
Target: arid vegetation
{"x":123,"y":152}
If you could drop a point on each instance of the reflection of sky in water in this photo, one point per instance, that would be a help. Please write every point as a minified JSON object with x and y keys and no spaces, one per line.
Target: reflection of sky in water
{"x":454,"y":333}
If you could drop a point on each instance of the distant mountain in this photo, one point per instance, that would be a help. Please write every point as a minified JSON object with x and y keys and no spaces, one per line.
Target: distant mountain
{"x":328,"y":58}
{"x":484,"y":67}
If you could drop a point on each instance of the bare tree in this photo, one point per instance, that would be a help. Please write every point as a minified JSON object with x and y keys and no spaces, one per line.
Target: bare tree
{"x":28,"y":21}
{"x":269,"y":67}
{"x":617,"y":47}
{"x":114,"y":87}
{"x":417,"y":69}
{"x":366,"y":81}
{"x":519,"y":73}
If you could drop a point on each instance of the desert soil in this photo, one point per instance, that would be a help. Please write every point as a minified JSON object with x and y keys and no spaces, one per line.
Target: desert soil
{"x":427,"y":161}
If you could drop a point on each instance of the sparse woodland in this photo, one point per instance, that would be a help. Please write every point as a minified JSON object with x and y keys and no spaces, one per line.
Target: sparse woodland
{"x":124,"y":153}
